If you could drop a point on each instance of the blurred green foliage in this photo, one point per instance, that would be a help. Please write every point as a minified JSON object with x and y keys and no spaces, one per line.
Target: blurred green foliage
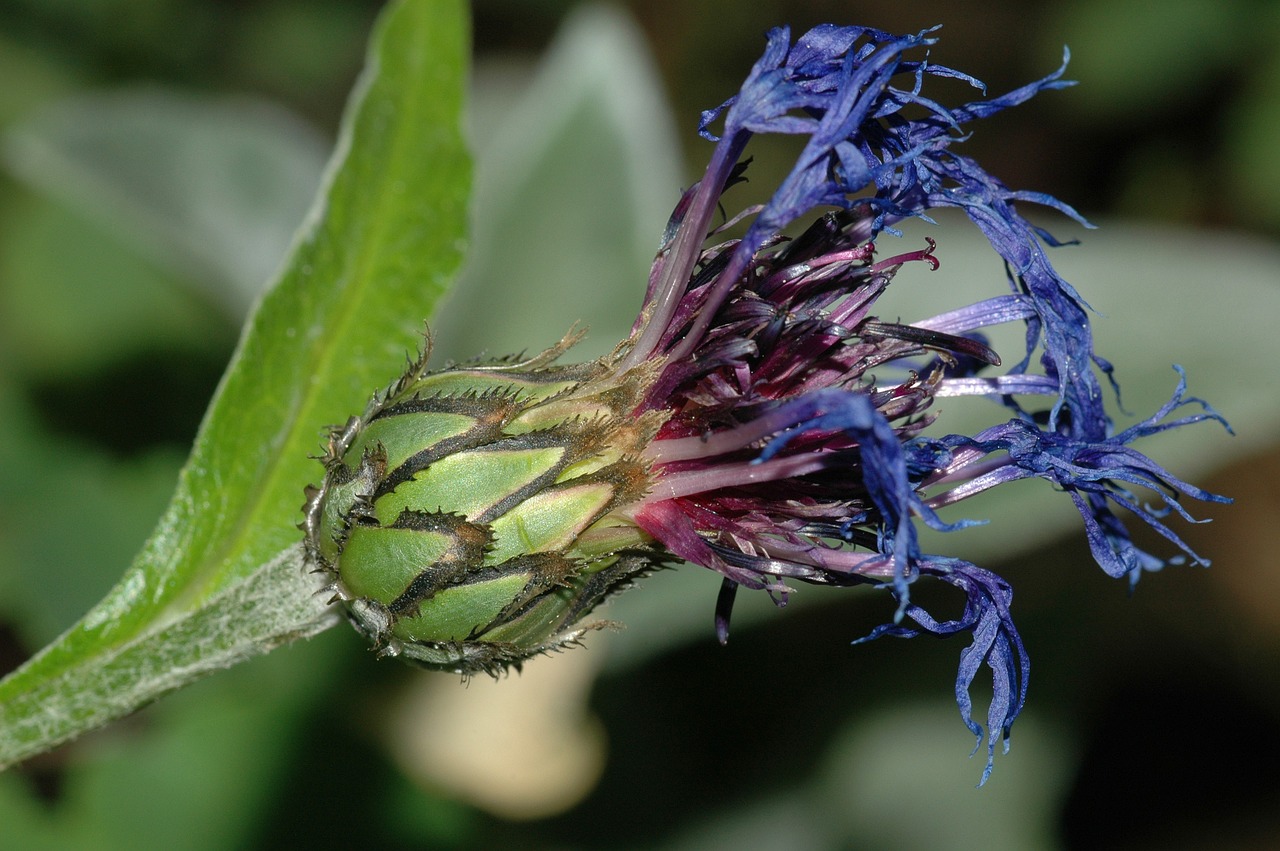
{"x":220,"y":578}
{"x":116,"y":321}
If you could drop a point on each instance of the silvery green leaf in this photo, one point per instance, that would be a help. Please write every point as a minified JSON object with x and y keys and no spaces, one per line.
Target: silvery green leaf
{"x":577,"y":168}
{"x":210,"y":187}
{"x":382,"y":242}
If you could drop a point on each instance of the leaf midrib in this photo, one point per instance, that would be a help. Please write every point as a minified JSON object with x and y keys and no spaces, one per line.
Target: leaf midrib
{"x":326,"y":348}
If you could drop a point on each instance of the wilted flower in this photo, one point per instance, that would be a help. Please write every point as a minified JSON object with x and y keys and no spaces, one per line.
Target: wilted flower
{"x":760,"y":420}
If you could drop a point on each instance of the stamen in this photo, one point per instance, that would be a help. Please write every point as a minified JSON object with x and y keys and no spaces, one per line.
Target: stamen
{"x":688,"y":483}
{"x":925,"y":254}
{"x":724,"y":609}
{"x":930,"y":340}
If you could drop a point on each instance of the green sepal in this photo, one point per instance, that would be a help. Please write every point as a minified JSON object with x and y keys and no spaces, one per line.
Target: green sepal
{"x":467,"y":517}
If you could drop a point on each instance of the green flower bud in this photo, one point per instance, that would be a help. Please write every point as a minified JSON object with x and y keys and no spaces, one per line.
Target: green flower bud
{"x":469,"y":519}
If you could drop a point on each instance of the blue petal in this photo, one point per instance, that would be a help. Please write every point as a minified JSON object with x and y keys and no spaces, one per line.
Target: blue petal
{"x":839,"y":94}
{"x":883,"y":467}
{"x":887,"y":467}
{"x":995,"y":641}
{"x":1094,"y":472}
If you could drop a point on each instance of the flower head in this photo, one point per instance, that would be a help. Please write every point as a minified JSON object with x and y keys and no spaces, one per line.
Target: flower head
{"x":761,"y":420}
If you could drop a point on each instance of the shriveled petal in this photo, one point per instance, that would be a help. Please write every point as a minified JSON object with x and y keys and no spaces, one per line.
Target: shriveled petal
{"x":995,"y":641}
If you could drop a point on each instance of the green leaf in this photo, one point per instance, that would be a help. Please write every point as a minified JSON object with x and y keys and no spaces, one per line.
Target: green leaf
{"x":378,"y":249}
{"x":34,"y":75}
{"x":210,"y":188}
{"x":75,"y":299}
{"x":577,"y":169}
{"x":199,"y":772}
{"x":114,"y":502}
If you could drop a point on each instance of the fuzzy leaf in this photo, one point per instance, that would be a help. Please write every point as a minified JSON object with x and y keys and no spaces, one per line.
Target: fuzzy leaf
{"x":210,"y":188}
{"x":578,"y":165}
{"x":379,"y":247}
